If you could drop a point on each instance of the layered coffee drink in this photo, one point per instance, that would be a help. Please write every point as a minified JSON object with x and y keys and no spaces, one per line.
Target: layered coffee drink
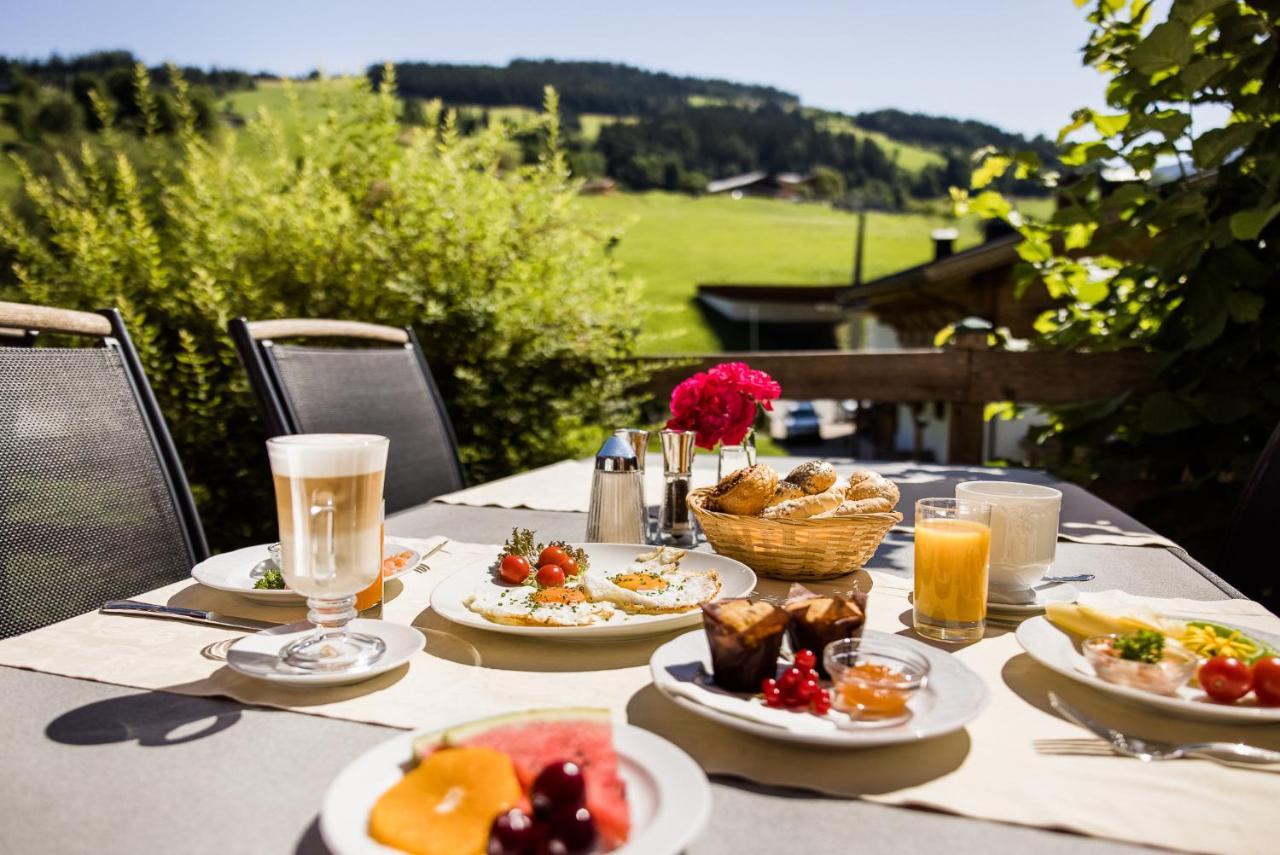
{"x":329,"y":504}
{"x":330,"y":511}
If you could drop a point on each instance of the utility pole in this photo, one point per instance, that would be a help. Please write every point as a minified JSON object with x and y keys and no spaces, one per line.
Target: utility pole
{"x":858,"y":245}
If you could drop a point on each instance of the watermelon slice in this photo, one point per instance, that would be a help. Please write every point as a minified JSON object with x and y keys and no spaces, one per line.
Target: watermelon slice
{"x":534,"y":739}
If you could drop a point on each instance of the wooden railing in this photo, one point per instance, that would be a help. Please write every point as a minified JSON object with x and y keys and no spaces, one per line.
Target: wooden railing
{"x":967,"y":376}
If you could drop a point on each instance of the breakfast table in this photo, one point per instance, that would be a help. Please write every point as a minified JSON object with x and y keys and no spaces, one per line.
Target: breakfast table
{"x":101,"y":759}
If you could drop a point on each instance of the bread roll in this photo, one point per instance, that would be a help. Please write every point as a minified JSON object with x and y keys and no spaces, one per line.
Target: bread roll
{"x":806,"y":506}
{"x":745,"y":492}
{"x":785,"y":490}
{"x":815,"y":476}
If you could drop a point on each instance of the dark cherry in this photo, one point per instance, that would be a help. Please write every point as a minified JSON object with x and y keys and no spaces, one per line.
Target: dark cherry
{"x":572,"y":831}
{"x":513,"y":833}
{"x":558,"y":785}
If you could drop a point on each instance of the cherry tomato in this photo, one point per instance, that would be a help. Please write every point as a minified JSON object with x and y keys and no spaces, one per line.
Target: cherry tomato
{"x":552,"y":555}
{"x":1225,"y":679}
{"x":570,"y":566}
{"x":514,"y":569}
{"x":1266,"y":681}
{"x":551,"y":575}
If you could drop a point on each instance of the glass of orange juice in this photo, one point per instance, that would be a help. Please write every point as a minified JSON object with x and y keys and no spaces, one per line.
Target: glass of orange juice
{"x":953,"y":538}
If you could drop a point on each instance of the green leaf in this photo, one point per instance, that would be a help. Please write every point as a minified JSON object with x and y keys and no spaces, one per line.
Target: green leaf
{"x":1245,"y":307}
{"x":1082,"y":153}
{"x":1091,"y":290}
{"x":992,"y":168}
{"x":1109,"y":126}
{"x":1200,"y":71}
{"x":1035,"y":251}
{"x":1249,"y":223}
{"x":1079,"y":119}
{"x":1190,"y":11}
{"x":1079,"y":234}
{"x":1164,"y":413}
{"x":990,"y":204}
{"x":1212,"y":147}
{"x":1166,"y":46}
{"x":1028,"y":162}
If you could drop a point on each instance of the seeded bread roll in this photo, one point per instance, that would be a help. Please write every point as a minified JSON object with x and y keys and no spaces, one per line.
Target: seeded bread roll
{"x":745,"y":492}
{"x":785,"y":490}
{"x":872,"y":485}
{"x":851,"y":507}
{"x":815,"y":476}
{"x":805,"y":506}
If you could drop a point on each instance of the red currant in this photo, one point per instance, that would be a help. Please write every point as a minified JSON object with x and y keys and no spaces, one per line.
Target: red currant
{"x":772,"y":694}
{"x":790,"y":678}
{"x":807,"y":689}
{"x":805,"y":660}
{"x":821,"y":703}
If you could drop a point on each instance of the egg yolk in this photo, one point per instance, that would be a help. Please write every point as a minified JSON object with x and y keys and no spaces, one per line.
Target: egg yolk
{"x":640,"y":582}
{"x":558,"y":596}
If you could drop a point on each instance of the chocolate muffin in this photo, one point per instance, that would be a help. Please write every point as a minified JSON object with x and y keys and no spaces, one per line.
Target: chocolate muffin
{"x":745,"y":638}
{"x":819,"y":619}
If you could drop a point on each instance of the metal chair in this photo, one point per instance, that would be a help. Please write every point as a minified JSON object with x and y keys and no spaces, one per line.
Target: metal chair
{"x":383,"y":387}
{"x":1248,"y":557}
{"x":94,"y":504}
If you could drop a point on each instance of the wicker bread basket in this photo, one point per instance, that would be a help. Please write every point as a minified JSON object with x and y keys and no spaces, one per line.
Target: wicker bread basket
{"x":794,"y":549}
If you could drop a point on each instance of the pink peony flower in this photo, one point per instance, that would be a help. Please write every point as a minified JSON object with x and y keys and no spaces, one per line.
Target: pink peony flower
{"x":720,"y":404}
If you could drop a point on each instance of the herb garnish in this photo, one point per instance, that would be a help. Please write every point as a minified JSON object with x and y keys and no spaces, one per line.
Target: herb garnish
{"x":1145,"y":645}
{"x":271,"y":580}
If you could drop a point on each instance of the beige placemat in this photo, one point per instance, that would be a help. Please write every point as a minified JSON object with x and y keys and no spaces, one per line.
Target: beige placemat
{"x":989,"y":770}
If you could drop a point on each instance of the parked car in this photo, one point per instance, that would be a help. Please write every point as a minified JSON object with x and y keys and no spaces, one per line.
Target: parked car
{"x":801,"y":420}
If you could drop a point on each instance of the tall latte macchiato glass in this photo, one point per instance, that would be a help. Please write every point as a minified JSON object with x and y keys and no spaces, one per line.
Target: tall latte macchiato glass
{"x":1024,"y":530}
{"x":329,"y":503}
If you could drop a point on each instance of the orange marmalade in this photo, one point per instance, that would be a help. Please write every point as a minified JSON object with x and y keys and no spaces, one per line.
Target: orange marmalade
{"x":867,"y":690}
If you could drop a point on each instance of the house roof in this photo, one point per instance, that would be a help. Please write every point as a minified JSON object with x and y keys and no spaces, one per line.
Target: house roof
{"x":736,"y":182}
{"x":995,"y":253}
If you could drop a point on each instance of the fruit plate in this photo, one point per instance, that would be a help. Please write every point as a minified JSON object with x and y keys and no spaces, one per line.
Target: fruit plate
{"x":668,"y":794}
{"x":232,"y":571}
{"x":1056,"y":650}
{"x":736,"y":580}
{"x":953,"y":697}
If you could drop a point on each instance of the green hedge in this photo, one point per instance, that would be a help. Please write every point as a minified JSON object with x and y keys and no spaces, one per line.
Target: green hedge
{"x":526,"y":324}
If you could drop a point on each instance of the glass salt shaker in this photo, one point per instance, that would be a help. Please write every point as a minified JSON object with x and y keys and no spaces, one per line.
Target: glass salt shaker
{"x":617,"y":513}
{"x":675,"y":521}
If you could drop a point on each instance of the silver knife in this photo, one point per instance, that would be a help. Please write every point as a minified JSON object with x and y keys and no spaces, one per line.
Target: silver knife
{"x":134,"y":607}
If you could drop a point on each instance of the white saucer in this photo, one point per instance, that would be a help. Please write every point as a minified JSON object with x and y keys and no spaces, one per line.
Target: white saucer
{"x":1062,"y":593}
{"x":258,"y":655}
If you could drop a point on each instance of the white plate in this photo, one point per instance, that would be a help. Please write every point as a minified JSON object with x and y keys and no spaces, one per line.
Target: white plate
{"x":393,"y":548}
{"x":258,"y":655}
{"x":736,"y":580}
{"x":667,"y":792}
{"x":1055,"y":649}
{"x":953,"y":696}
{"x":231,"y":571}
{"x":1064,"y":593}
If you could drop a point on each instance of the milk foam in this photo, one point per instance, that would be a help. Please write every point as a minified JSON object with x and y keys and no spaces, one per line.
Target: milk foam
{"x":327,"y":455}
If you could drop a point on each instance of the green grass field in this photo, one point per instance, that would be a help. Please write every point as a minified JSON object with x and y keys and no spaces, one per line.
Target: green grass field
{"x":673,"y":242}
{"x":910,"y":157}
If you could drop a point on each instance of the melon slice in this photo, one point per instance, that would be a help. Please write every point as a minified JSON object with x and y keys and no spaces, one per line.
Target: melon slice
{"x":446,"y":804}
{"x":534,"y":739}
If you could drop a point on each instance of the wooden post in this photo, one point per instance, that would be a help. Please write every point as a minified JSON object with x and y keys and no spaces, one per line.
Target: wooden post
{"x":966,"y":431}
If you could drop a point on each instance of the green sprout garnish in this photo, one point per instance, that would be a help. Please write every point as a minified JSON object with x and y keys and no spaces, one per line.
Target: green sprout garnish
{"x":271,"y":580}
{"x":1145,"y":645}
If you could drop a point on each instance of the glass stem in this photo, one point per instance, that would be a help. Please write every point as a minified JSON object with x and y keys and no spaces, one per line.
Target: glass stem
{"x":331,"y":614}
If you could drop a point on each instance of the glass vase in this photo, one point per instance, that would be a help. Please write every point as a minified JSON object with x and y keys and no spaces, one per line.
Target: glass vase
{"x":740,"y":456}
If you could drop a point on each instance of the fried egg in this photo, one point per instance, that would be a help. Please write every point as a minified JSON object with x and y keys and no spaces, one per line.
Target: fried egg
{"x":652,"y":588}
{"x":526,"y":605}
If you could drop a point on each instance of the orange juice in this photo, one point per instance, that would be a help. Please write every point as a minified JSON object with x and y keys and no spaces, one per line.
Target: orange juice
{"x":951,"y":573}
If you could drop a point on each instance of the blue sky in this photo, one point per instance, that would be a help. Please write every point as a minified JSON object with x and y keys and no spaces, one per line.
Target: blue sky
{"x":1014,"y":63}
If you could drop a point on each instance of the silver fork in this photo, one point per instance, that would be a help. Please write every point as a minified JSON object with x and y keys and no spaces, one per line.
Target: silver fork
{"x":422,"y":562}
{"x":1148,"y":750}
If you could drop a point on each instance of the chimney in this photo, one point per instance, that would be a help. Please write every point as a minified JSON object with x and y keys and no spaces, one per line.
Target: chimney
{"x":944,"y":241}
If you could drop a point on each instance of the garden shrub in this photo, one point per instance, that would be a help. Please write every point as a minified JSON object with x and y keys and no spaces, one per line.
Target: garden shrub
{"x":528,"y":328}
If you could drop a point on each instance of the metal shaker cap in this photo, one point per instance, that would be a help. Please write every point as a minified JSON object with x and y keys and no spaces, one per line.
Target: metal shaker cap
{"x":678,"y":448}
{"x":616,"y":455}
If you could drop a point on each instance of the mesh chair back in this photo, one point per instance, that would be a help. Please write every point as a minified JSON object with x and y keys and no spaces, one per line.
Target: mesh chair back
{"x":380,"y":390}
{"x":89,"y":506}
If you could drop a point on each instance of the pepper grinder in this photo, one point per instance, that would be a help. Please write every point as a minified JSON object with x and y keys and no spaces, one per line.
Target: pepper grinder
{"x":675,"y":522}
{"x":617,"y":513}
